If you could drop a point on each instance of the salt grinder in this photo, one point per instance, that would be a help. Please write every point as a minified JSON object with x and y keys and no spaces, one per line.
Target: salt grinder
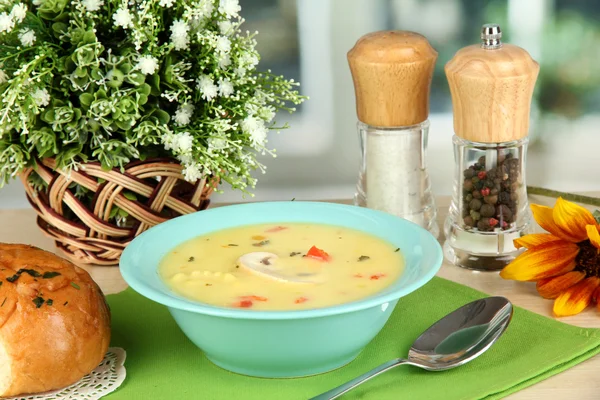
{"x":392,"y":73}
{"x":491,"y":86}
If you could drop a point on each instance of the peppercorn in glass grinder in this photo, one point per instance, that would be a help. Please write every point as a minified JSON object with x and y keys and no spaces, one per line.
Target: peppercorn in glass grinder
{"x":392,"y":73}
{"x":491,"y":86}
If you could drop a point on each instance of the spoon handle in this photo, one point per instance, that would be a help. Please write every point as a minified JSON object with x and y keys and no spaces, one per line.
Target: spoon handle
{"x":340,"y":390}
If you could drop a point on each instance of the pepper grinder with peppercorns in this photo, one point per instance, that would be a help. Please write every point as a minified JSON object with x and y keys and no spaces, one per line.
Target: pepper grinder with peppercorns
{"x":491,"y":86}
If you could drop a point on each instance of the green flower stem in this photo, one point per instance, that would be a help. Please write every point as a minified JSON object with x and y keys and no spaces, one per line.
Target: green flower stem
{"x":576,"y":198}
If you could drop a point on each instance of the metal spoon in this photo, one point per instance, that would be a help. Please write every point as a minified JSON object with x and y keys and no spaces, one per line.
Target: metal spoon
{"x":454,"y":340}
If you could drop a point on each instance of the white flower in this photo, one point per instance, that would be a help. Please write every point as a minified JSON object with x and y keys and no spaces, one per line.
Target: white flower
{"x":41,"y":97}
{"x":241,"y":72}
{"x":3,"y":76}
{"x":217,"y":143}
{"x":179,"y":34}
{"x":266,"y":113}
{"x":180,"y":43}
{"x":19,"y":11}
{"x":92,"y":5}
{"x":248,"y":59}
{"x":256,"y":129}
{"x":183,"y":115}
{"x":27,"y":37}
{"x":147,"y":65}
{"x":207,"y":87}
{"x":166,"y":3}
{"x":230,"y":8}
{"x":38,"y":2}
{"x":223,"y":44}
{"x":222,"y":126}
{"x":179,"y":28}
{"x":226,"y":27}
{"x":192,"y":172}
{"x":178,"y":143}
{"x":123,"y":18}
{"x":224,"y":61}
{"x":168,"y":140}
{"x":225,"y":87}
{"x":6,"y":22}
{"x":204,"y":8}
{"x":185,"y":158}
{"x":184,"y":142}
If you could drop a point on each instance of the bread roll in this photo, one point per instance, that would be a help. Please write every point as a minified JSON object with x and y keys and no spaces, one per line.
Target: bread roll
{"x":54,"y":321}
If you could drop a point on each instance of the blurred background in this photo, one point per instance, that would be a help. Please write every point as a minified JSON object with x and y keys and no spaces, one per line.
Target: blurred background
{"x":318,"y":157}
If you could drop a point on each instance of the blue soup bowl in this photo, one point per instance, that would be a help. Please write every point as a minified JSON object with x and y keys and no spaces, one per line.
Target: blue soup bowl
{"x":278,"y":344}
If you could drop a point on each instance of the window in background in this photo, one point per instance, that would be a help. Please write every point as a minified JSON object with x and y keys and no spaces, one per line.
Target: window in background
{"x":310,"y":38}
{"x":318,"y":157}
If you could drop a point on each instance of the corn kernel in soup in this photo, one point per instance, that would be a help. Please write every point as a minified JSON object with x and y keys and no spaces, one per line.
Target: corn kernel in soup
{"x":288,"y":266}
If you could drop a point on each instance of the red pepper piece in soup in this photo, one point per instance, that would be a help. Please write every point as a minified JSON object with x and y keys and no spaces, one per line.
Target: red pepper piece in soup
{"x":318,"y":254}
{"x":277,"y":229}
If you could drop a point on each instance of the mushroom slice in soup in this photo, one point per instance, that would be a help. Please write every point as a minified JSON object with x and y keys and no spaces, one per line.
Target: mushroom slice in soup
{"x":270,"y":266}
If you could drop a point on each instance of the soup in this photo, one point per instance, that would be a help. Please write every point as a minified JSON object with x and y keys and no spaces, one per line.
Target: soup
{"x":281,"y":267}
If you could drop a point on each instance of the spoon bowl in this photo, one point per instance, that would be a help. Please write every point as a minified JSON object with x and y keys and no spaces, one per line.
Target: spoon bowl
{"x":456,"y":339}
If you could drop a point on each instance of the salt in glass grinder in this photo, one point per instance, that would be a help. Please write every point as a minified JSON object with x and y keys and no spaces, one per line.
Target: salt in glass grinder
{"x":392,"y":73}
{"x":491,"y":86}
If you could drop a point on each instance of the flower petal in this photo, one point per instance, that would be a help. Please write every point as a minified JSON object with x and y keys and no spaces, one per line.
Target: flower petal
{"x":550,"y":288}
{"x":543,"y":261}
{"x":593,"y":235}
{"x":575,"y":299}
{"x":572,"y":219}
{"x":534,"y":239}
{"x":543,"y":216}
{"x":596,"y":296}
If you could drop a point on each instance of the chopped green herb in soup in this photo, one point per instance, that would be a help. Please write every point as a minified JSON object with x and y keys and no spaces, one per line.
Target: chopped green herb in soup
{"x":281,"y":266}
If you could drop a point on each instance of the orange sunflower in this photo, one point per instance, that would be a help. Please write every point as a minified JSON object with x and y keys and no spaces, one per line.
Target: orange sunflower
{"x":565,"y":263}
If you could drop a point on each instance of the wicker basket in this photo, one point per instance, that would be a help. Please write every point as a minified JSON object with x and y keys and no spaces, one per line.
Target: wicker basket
{"x":83,"y":232}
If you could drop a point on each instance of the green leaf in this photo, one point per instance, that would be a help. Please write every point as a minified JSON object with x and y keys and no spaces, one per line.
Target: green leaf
{"x":93,"y":125}
{"x":69,"y":64}
{"x":597,"y":215}
{"x":86,"y":99}
{"x":80,"y":82}
{"x":100,"y":94}
{"x":81,"y":72}
{"x":48,"y":116}
{"x":135,"y":78}
{"x":155,"y":85}
{"x":95,"y":74}
{"x":124,"y":125}
{"x":144,"y":89}
{"x":89,"y":37}
{"x":162,"y":116}
{"x":142,"y":99}
{"x":126,"y":67}
{"x":115,"y":78}
{"x":130,"y":196}
{"x":122,"y":213}
{"x":59,"y":27}
{"x":113,"y":212}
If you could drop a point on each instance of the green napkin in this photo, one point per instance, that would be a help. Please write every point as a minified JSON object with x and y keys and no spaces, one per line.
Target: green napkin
{"x":163,"y":364}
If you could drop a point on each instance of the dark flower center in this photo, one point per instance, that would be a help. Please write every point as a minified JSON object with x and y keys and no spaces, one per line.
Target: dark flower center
{"x":588,"y":259}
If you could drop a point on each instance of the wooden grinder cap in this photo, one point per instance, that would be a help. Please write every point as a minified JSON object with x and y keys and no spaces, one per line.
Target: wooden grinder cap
{"x":392,"y":72}
{"x":491,"y":86}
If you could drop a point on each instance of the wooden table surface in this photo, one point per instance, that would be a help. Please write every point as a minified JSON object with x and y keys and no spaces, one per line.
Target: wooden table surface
{"x":580,"y":382}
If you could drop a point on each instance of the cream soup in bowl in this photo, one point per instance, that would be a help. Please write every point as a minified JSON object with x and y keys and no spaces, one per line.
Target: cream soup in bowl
{"x":284,"y":341}
{"x":285,"y":266}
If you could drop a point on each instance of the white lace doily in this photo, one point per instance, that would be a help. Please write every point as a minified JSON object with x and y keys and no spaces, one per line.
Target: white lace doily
{"x":106,"y":378}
